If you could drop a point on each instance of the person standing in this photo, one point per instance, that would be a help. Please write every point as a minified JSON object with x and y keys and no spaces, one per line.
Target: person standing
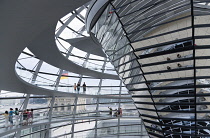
{"x":6,"y":116}
{"x":84,"y":87}
{"x":75,"y":87}
{"x":30,"y":117}
{"x":78,"y":86}
{"x":110,"y":111}
{"x":25,"y":115}
{"x":16,"y":116}
{"x":11,"y":116}
{"x":120,"y":112}
{"x":116,"y":113}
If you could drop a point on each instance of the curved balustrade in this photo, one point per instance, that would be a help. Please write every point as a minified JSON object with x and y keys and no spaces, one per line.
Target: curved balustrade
{"x":63,"y":114}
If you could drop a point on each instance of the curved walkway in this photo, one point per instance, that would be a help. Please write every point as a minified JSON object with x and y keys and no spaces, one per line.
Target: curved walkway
{"x":32,"y":89}
{"x":88,"y":45}
{"x":6,"y":131}
{"x":44,"y":47}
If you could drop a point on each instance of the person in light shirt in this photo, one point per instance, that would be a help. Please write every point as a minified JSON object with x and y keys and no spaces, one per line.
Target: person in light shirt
{"x":6,"y":116}
{"x":30,"y":117}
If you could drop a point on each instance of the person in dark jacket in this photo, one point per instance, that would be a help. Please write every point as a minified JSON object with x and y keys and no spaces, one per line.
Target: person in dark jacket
{"x":110,"y":111}
{"x":84,"y":87}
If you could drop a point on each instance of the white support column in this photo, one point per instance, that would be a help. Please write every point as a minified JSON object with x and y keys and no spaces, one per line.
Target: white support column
{"x":26,"y":102}
{"x":61,"y":71}
{"x":96,"y":123}
{"x":100,"y":82}
{"x":142,"y":128}
{"x":48,"y":132}
{"x":74,"y":112}
{"x":84,"y":65}
{"x":119,"y":106}
{"x":97,"y":105}
{"x":36,"y":71}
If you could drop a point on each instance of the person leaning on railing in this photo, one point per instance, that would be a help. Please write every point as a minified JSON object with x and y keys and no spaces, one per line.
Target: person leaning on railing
{"x":84,"y":87}
{"x":25,"y":115}
{"x":30,"y":117}
{"x":11,"y":116}
{"x":78,"y":87}
{"x":116,"y":113}
{"x":75,"y":87}
{"x":110,"y":111}
{"x":120,"y":110}
{"x":6,"y":116}
{"x":16,"y":112}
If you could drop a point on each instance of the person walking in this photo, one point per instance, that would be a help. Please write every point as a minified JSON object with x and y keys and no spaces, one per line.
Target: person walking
{"x":6,"y":116}
{"x":16,"y":116}
{"x":78,"y":87}
{"x":75,"y":87}
{"x":11,"y":116}
{"x":84,"y":87}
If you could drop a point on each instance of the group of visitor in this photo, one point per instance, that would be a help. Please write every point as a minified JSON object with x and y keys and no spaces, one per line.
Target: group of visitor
{"x":77,"y":87}
{"x":27,"y":117}
{"x":153,"y":126}
{"x":26,"y":114}
{"x":9,"y":117}
{"x":117,"y":112}
{"x":179,"y":65}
